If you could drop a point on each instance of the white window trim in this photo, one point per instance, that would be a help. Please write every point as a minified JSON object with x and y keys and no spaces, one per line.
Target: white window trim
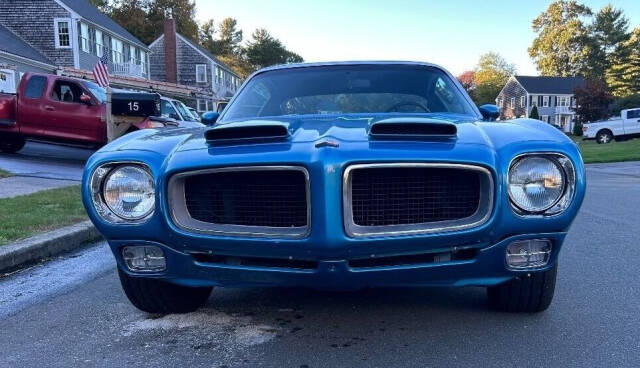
{"x":522,"y":101}
{"x":204,"y":74}
{"x":512,"y":102}
{"x":57,"y":35}
{"x":544,"y":118}
{"x":117,"y":46}
{"x":545,"y":101}
{"x":206,"y":105}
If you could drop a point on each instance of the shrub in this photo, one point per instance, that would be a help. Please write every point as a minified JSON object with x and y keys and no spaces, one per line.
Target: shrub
{"x":534,"y":113}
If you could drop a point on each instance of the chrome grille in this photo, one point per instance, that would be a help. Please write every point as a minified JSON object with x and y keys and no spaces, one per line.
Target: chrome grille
{"x":383,"y":199}
{"x":253,"y":201}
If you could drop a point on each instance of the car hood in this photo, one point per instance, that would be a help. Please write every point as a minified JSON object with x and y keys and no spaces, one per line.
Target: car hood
{"x":343,"y":130}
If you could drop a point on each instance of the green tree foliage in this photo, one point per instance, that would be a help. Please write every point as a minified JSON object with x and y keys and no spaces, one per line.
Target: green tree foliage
{"x":264,"y":50}
{"x":628,"y":102}
{"x":592,"y":101}
{"x":534,"y":113}
{"x":623,"y":76}
{"x":230,"y":37}
{"x":491,"y":74}
{"x":102,"y":5}
{"x":132,"y":15}
{"x":577,"y":129}
{"x":562,"y":46}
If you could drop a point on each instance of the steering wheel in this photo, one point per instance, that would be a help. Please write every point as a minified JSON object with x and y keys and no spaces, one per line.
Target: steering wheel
{"x":395,"y":107}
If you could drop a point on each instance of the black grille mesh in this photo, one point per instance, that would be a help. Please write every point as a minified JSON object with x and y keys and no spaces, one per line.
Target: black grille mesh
{"x":272,"y":198}
{"x":416,"y":195}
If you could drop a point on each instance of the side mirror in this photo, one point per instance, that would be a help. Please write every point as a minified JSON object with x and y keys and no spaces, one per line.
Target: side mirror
{"x":210,"y":117}
{"x":85,"y":99}
{"x":489,"y":112}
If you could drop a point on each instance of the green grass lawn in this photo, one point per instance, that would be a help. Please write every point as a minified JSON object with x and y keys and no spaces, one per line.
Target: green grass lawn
{"x":628,"y":150}
{"x":4,"y":174}
{"x":25,"y":216}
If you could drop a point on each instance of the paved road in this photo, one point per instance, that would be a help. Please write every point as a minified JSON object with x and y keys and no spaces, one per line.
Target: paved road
{"x":72,"y":312}
{"x":47,"y":161}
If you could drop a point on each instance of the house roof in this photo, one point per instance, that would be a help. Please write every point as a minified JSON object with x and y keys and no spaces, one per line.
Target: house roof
{"x":204,"y":51}
{"x":93,"y":15}
{"x":551,"y":85}
{"x":15,"y":45}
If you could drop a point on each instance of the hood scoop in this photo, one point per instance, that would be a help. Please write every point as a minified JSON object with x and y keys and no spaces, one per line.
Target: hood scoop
{"x":413,"y":128}
{"x":247,"y":132}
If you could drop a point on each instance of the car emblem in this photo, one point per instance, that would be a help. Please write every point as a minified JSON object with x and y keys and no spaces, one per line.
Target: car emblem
{"x":327,"y":143}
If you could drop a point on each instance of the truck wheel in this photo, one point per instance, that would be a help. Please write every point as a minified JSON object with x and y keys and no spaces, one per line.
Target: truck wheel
{"x":157,"y":296}
{"x":604,"y":136}
{"x":529,"y":293}
{"x":12,"y":144}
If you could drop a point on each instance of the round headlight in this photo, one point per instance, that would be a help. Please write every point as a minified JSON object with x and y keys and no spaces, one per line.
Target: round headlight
{"x":536,"y":183}
{"x":129,"y":192}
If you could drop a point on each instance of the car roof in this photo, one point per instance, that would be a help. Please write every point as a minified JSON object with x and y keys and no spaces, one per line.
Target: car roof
{"x":332,"y":63}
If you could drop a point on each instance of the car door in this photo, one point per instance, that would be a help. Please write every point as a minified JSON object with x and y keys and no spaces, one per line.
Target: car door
{"x":632,"y":121}
{"x":71,"y":118}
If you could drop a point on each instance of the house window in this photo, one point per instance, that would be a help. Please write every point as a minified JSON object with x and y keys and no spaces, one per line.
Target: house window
{"x":99,"y":44}
{"x":84,"y":40}
{"x":545,"y":101}
{"x":143,"y":62}
{"x":132,"y":55}
{"x":116,"y":50}
{"x":534,"y":101}
{"x":501,"y":102}
{"x":201,"y":73}
{"x":522,"y":101}
{"x":203,"y":105}
{"x":544,"y":118}
{"x":513,"y":102}
{"x":218,"y":75}
{"x":563,"y":101}
{"x":63,"y":33}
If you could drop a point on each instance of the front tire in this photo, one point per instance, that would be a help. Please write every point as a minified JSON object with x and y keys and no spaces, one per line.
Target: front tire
{"x":12,"y":143}
{"x":604,"y":136}
{"x":157,"y":296}
{"x":529,"y":293}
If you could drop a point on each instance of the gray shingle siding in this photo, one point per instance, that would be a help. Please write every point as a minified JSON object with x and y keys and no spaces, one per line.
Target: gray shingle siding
{"x":512,"y":90}
{"x":156,"y":61}
{"x":33,"y":21}
{"x":187,"y":59}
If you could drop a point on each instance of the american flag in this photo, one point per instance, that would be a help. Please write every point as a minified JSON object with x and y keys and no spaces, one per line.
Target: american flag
{"x":101,"y":71}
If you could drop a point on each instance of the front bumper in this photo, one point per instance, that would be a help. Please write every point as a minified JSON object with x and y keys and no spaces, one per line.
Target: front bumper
{"x":487,"y":267}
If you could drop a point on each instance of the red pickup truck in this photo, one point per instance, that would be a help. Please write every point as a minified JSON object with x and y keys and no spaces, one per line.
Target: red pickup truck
{"x":60,"y":109}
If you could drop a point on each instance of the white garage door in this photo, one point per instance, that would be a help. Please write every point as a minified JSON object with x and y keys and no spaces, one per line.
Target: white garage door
{"x":7,"y":81}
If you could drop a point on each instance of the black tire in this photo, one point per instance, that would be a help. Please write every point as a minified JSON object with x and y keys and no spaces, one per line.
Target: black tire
{"x":604,"y":136}
{"x":529,"y":293}
{"x":12,"y":143}
{"x":157,"y":296}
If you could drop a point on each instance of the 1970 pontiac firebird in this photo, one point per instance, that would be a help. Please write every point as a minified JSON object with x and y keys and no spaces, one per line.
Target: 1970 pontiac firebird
{"x":339,"y":176}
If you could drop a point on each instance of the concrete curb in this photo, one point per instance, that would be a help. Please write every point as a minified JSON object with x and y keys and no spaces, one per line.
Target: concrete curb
{"x":46,"y":245}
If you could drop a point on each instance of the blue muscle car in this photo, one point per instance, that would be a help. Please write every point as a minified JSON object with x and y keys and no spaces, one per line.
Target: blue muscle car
{"x":339,"y":176}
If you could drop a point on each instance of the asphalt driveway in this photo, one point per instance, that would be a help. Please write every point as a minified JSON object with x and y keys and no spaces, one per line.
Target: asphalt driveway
{"x":72,"y":312}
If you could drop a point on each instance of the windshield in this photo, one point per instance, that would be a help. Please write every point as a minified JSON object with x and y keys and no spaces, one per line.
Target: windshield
{"x":184,"y":111}
{"x":97,"y":91}
{"x":349,"y":89}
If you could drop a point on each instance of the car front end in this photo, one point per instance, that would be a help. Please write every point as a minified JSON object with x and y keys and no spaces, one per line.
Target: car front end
{"x":329,"y":202}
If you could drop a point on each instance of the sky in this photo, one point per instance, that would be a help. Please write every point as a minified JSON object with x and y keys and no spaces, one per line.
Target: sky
{"x":450,"y":33}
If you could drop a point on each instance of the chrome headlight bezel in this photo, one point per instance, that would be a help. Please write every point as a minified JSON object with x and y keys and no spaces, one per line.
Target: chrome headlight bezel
{"x":567,"y":169}
{"x":96,"y":186}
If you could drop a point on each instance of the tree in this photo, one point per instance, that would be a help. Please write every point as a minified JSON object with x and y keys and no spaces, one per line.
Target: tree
{"x":102,"y":5}
{"x":592,"y":101}
{"x":230,"y":37}
{"x":563,"y":46}
{"x":182,"y":11}
{"x":132,"y":15}
{"x":491,"y":74}
{"x":628,"y":102}
{"x":264,"y":50}
{"x":623,"y":76}
{"x":468,"y":83}
{"x":534,"y":113}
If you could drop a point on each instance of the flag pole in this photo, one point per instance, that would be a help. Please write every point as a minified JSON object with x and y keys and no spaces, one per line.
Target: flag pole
{"x":111,"y":131}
